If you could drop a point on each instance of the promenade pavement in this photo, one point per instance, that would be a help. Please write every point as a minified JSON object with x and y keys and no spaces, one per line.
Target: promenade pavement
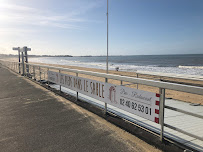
{"x":34,"y":119}
{"x":190,"y":124}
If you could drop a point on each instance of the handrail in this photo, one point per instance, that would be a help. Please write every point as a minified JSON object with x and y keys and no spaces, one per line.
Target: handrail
{"x":185,"y":112}
{"x":184,"y":132}
{"x":154,"y":83}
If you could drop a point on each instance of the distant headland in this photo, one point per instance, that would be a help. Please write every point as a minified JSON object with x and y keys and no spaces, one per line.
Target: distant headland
{"x":13,"y":55}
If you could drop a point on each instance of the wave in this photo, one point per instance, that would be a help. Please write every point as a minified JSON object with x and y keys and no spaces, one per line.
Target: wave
{"x":190,"y":67}
{"x":190,"y":70}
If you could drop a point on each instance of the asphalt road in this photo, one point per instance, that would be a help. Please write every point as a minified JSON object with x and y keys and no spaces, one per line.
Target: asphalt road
{"x":34,"y":119}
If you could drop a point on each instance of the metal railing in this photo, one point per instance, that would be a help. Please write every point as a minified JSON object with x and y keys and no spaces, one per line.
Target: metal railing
{"x":32,"y":69}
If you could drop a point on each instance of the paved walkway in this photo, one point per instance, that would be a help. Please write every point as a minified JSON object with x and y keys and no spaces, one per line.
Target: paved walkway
{"x":33,"y":119}
{"x":182,"y":121}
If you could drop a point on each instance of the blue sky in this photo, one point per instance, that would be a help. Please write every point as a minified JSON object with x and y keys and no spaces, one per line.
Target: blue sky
{"x":78,"y":27}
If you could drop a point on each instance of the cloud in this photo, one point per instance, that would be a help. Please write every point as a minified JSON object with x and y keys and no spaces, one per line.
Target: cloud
{"x":13,"y":14}
{"x":13,"y":7}
{"x":31,"y":24}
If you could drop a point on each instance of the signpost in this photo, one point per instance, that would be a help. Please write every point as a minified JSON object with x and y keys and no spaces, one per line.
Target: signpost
{"x":142,"y":103}
{"x":23,"y":51}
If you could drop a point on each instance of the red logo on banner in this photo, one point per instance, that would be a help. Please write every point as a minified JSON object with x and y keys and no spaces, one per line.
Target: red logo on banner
{"x":112,"y":94}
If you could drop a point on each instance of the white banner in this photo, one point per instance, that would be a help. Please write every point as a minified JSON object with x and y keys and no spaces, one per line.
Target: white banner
{"x":142,"y":103}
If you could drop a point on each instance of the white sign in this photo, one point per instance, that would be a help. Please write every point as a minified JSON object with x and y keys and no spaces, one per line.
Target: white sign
{"x":142,"y":103}
{"x":92,"y":88}
{"x":16,"y":48}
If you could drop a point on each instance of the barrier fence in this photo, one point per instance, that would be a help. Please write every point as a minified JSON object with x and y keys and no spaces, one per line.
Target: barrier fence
{"x":40,"y":73}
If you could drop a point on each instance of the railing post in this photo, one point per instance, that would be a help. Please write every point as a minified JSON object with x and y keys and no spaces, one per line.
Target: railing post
{"x":23,"y":65}
{"x":34,"y":72}
{"x":48,"y":77}
{"x":77,"y":91}
{"x":19,"y":67}
{"x":59,"y":81}
{"x":137,"y":83}
{"x":40,"y":74}
{"x":105,"y":108}
{"x":161,"y":110}
{"x":16,"y":67}
{"x":27,"y":70}
{"x":44,"y":74}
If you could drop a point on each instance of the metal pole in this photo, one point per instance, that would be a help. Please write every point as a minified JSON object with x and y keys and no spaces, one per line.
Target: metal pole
{"x":137,"y":83}
{"x":105,"y":107}
{"x":76,"y":92}
{"x":26,"y":58}
{"x":48,"y":77}
{"x":23,"y":64}
{"x":107,"y":55}
{"x":161,"y":110}
{"x":107,"y":60}
{"x":34,"y":72}
{"x":19,"y":60}
{"x":25,"y":50}
{"x":59,"y":81}
{"x":40,"y":74}
{"x":16,"y":67}
{"x":44,"y":74}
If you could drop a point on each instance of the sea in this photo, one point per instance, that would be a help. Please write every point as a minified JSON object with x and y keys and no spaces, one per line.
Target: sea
{"x":191,"y":64}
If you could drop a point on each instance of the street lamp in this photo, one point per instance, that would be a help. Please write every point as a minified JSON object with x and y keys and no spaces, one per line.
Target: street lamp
{"x":107,"y":60}
{"x":107,"y":14}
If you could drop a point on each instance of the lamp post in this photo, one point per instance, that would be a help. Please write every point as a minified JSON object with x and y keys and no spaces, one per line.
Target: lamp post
{"x":107,"y":60}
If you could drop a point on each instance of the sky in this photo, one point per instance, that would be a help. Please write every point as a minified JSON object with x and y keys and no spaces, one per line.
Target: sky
{"x":79,"y":27}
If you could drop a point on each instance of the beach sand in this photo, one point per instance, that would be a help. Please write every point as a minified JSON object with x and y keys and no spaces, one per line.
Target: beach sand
{"x":177,"y":95}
